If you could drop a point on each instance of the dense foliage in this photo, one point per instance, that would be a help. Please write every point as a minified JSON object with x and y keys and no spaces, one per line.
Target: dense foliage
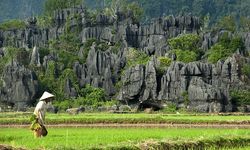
{"x":225,"y":47}
{"x":240,"y":97}
{"x":88,"y":96}
{"x":164,"y":61}
{"x":185,"y":47}
{"x":227,"y":23}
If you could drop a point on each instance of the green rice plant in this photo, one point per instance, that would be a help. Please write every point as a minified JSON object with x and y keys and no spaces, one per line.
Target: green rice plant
{"x":136,"y":118}
{"x":34,"y":124}
{"x":127,"y":138}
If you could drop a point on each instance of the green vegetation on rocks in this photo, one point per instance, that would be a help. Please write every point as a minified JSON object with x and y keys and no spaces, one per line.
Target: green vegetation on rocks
{"x":224,"y":48}
{"x":246,"y":70}
{"x":135,"y":57}
{"x":185,"y":42}
{"x":227,"y":23}
{"x":185,"y":56}
{"x":164,"y":61}
{"x":45,"y":21}
{"x":12,"y":24}
{"x":13,"y":53}
{"x":185,"y":47}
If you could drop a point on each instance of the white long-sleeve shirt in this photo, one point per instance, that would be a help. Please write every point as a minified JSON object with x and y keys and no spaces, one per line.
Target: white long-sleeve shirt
{"x":40,"y":111}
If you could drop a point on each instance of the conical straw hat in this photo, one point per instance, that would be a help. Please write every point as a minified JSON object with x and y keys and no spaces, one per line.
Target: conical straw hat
{"x":46,"y":95}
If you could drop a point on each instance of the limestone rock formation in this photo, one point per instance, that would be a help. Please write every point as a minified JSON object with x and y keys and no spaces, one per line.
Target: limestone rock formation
{"x":19,"y":86}
{"x":197,"y":85}
{"x":35,"y":57}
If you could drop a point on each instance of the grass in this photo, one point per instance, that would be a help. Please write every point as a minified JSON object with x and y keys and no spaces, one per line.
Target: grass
{"x":87,"y":138}
{"x":88,"y":118}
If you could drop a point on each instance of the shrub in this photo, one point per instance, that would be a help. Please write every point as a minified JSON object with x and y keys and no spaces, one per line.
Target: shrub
{"x":45,"y":21}
{"x":227,"y":23}
{"x":91,"y":96}
{"x":224,"y":48}
{"x":186,"y":47}
{"x":236,"y":43}
{"x":171,"y":108}
{"x":102,"y":46}
{"x":48,"y":79}
{"x":240,"y":97}
{"x":185,"y":42}
{"x":52,"y":81}
{"x":67,"y":47}
{"x":245,"y":23}
{"x":63,"y":105}
{"x":136,"y":10}
{"x":185,"y":56}
{"x":217,"y":52}
{"x":43,"y":51}
{"x":67,"y":74}
{"x":185,"y":97}
{"x":135,"y":57}
{"x":68,"y":58}
{"x":86,"y":47}
{"x":13,"y":53}
{"x":115,"y":49}
{"x":246,"y":70}
{"x":68,"y":41}
{"x":165,"y":61}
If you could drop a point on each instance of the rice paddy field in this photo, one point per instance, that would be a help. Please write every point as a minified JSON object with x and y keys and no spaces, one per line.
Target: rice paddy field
{"x":108,"y":138}
{"x":90,"y":118}
{"x":73,"y":137}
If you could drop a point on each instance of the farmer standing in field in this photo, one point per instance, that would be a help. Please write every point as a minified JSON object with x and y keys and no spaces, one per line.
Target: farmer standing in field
{"x":39,"y":112}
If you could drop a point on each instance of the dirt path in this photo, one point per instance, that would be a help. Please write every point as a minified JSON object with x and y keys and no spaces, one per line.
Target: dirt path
{"x":101,"y":125}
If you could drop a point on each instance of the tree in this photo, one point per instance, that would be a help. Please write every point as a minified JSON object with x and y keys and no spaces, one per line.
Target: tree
{"x":136,"y":10}
{"x":217,"y":52}
{"x":186,"y":47}
{"x":244,"y":23}
{"x":227,"y":23}
{"x":206,"y":21}
{"x":224,"y":48}
{"x":185,"y":42}
{"x":113,"y":7}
